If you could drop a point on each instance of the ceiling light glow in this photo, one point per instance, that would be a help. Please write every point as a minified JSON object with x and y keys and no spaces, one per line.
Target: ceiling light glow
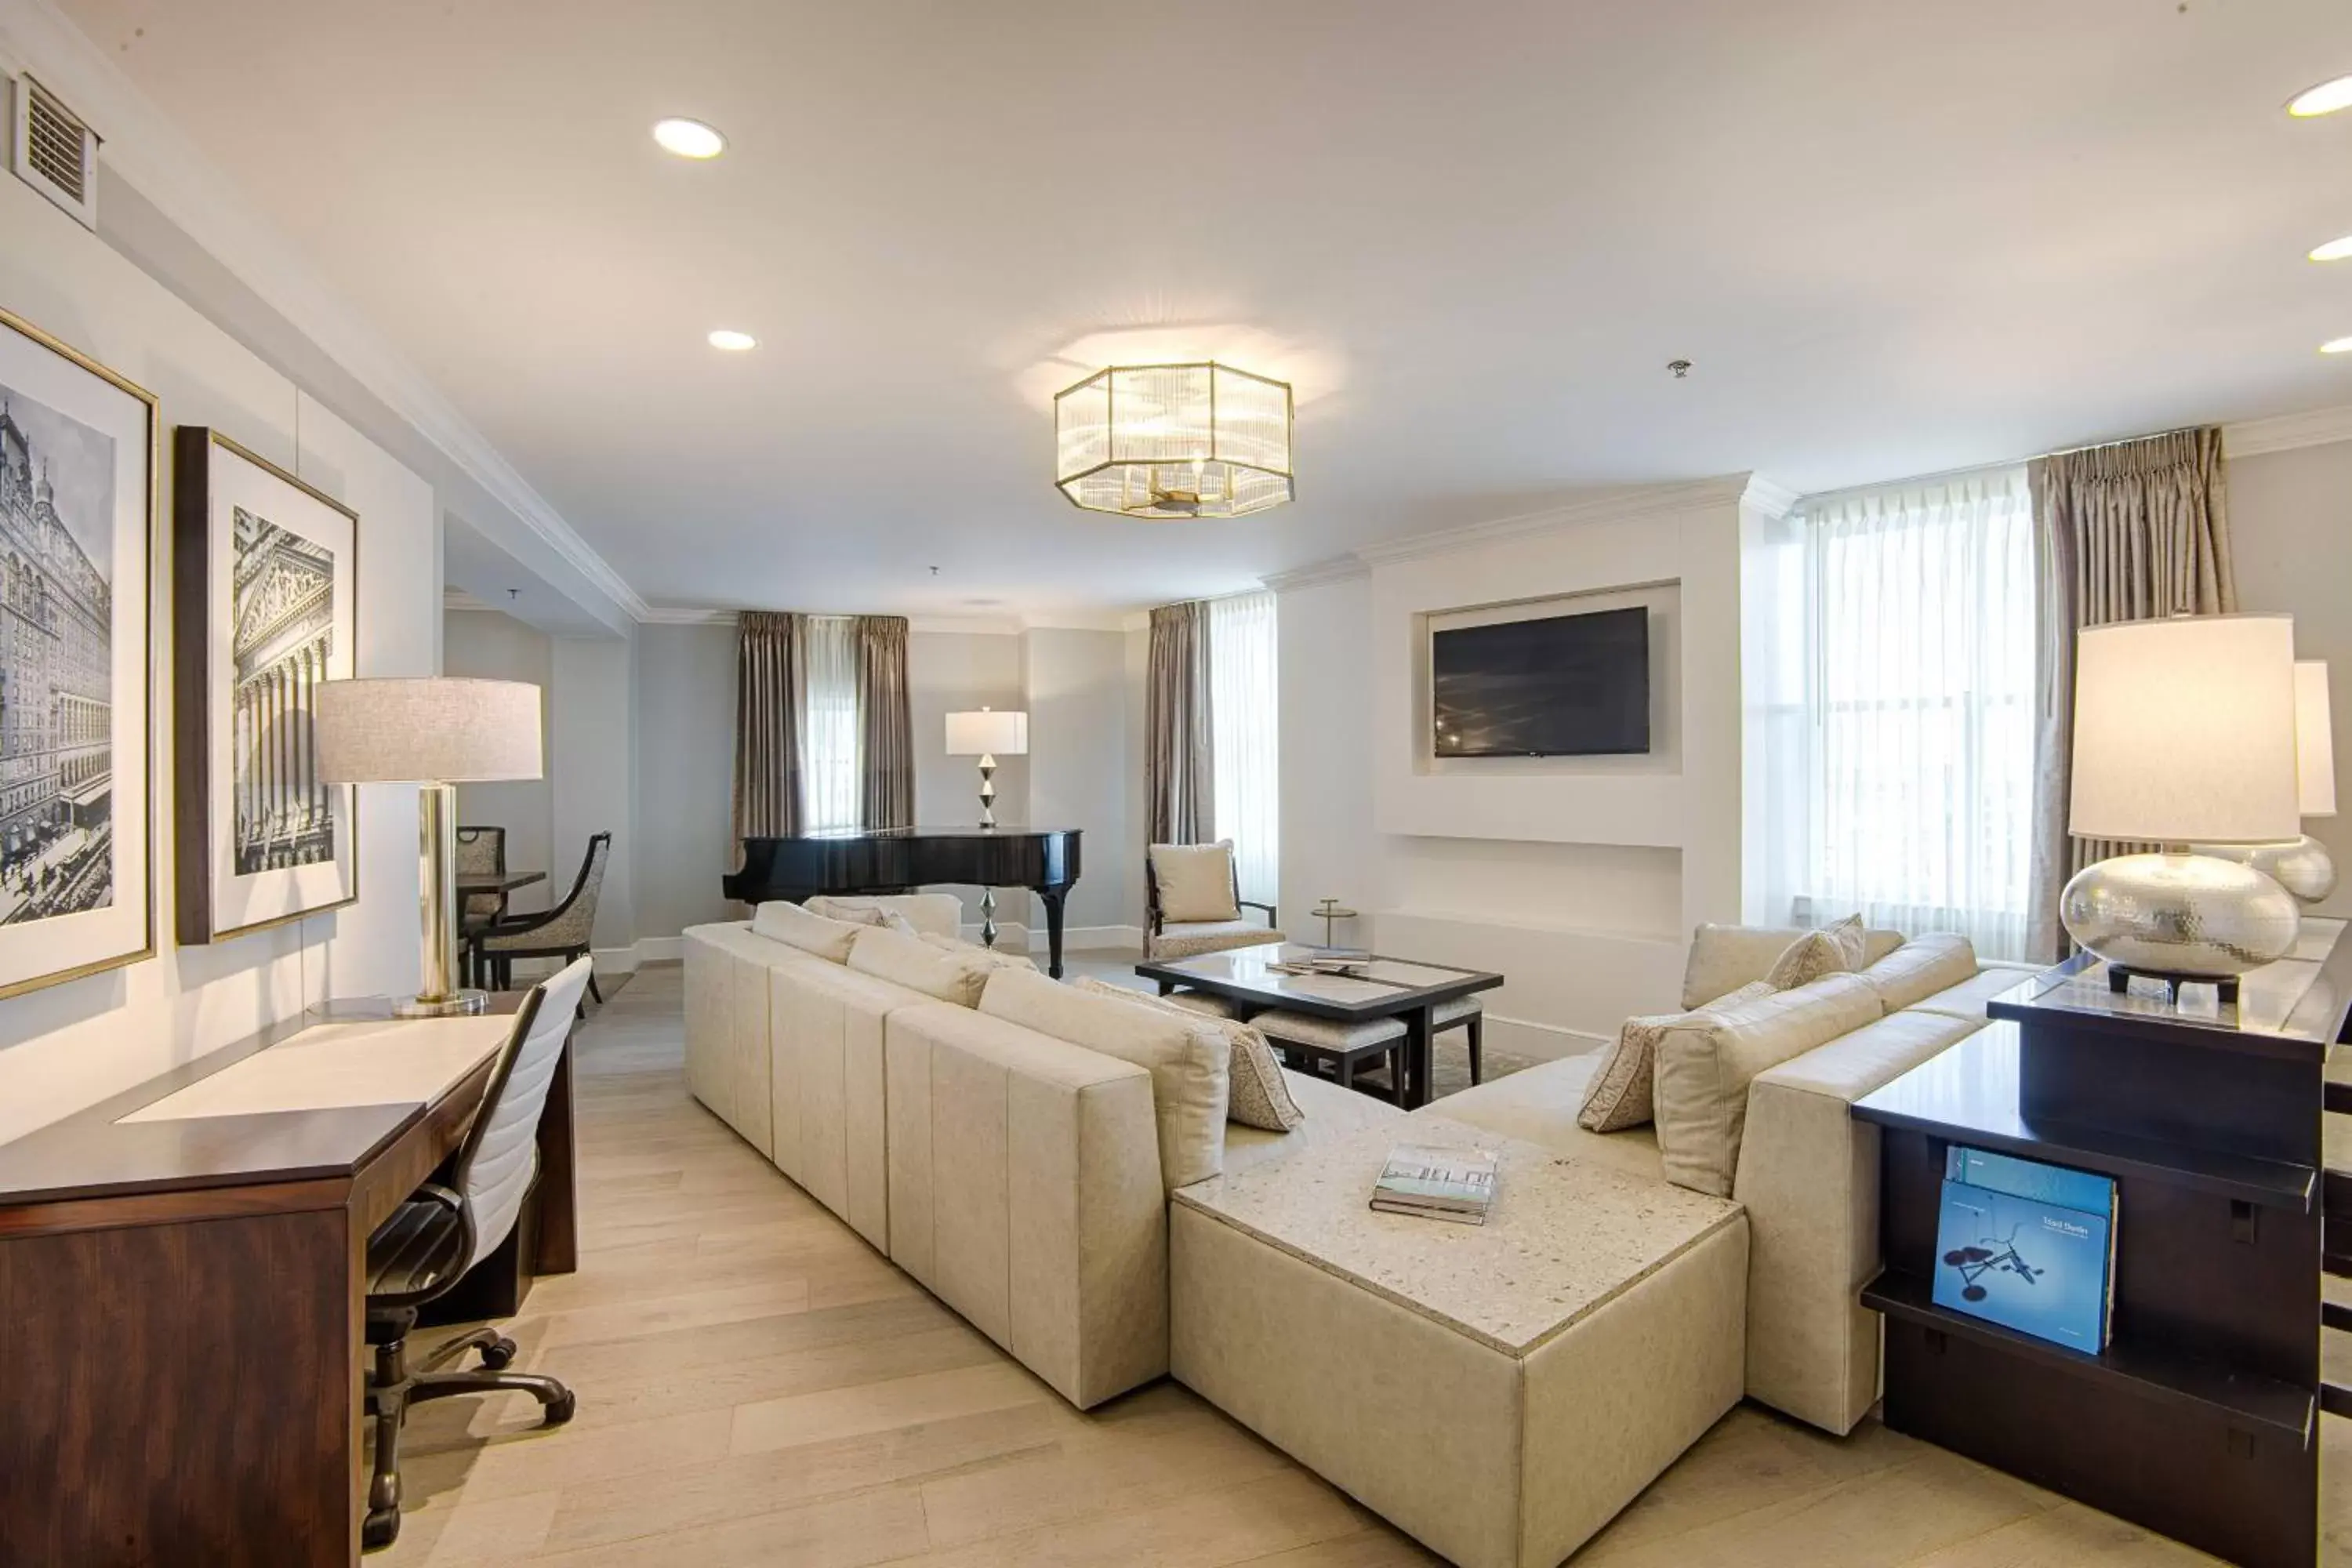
{"x":733,"y":341}
{"x":2334,"y":250}
{"x":2337,"y":346}
{"x":2326,"y":98}
{"x":688,"y":138}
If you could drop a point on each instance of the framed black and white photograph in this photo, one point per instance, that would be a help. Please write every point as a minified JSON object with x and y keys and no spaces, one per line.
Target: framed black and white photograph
{"x":265,"y":593}
{"x":78,"y":455}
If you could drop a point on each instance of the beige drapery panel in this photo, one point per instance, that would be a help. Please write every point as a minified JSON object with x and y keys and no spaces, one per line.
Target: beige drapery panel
{"x":768,"y":671}
{"x":1179,"y":764}
{"x":886,"y":724}
{"x":2132,"y":531}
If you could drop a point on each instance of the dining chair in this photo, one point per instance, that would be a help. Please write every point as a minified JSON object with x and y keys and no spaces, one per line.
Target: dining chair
{"x":564,"y":931}
{"x":425,"y":1247}
{"x":481,"y":851}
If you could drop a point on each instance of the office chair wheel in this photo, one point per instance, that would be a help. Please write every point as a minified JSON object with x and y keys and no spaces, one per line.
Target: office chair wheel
{"x":380,"y":1529}
{"x":498,"y":1355}
{"x":559,"y":1411}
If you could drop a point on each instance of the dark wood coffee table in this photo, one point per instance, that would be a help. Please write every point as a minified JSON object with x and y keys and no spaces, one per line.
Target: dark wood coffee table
{"x":1389,"y":988}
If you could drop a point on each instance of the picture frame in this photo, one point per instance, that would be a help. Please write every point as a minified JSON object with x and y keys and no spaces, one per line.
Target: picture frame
{"x":264,"y":606}
{"x":79,"y":452}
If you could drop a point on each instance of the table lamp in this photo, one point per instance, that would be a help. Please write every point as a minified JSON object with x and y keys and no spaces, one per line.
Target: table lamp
{"x":437,"y":731}
{"x":2184,"y":733}
{"x":983,"y":734}
{"x":2302,"y":864}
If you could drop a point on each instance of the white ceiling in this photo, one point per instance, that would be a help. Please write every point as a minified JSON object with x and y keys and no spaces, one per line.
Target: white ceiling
{"x":1893,"y":237}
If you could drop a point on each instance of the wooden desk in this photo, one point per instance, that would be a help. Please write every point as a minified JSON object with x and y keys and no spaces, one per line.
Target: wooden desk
{"x":181,"y":1316}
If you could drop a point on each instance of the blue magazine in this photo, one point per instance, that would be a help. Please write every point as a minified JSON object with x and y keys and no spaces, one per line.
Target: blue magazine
{"x":2010,"y":1252}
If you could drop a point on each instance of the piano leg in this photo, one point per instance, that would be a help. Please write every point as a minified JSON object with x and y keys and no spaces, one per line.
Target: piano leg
{"x":1052,"y":902}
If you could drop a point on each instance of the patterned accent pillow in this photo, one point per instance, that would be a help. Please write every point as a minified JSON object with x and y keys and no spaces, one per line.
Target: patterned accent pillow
{"x":1832,"y":949}
{"x":1621,"y":1095}
{"x":1258,"y":1096}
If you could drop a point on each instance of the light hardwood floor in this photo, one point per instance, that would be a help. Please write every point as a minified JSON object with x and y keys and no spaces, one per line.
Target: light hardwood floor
{"x":756,"y":1385}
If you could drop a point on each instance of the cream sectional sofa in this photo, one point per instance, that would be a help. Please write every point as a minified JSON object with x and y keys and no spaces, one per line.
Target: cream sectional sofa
{"x":1806,"y":1173}
{"x":985,"y":1136}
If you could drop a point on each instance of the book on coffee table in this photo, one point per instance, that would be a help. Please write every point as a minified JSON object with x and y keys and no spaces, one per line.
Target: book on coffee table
{"x":1456,"y":1185}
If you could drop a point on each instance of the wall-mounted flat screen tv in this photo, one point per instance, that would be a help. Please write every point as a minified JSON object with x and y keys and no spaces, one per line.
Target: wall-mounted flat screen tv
{"x":1566,"y":685}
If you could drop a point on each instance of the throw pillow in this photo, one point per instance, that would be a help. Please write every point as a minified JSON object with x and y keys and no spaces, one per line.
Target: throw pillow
{"x":1918,"y":969}
{"x":1621,"y":1095}
{"x":1186,"y":1058}
{"x":1835,"y":950}
{"x":856,"y":912}
{"x":1195,"y":881}
{"x":1257,"y":1096}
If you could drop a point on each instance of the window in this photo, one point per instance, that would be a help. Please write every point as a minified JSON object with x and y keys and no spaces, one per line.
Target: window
{"x":1242,"y":714}
{"x":831,"y":773}
{"x":1900,"y":738}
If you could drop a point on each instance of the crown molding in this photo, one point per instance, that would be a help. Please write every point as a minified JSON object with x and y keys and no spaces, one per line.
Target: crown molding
{"x":2284,"y":433}
{"x":1315,"y":574}
{"x":143,"y":148}
{"x":684,"y":616}
{"x":459,"y":599}
{"x":1774,"y":501}
{"x":1635,"y":502}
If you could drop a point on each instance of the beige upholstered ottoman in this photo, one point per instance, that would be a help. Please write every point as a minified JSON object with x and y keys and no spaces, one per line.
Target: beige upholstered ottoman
{"x":1498,"y":1391}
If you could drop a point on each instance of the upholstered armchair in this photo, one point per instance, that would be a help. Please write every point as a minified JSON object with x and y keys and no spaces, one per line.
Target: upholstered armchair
{"x":1194,"y":903}
{"x":563,"y":933}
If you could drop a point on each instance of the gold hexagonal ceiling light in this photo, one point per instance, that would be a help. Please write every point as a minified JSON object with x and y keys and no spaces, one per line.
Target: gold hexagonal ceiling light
{"x":1175,"y":441}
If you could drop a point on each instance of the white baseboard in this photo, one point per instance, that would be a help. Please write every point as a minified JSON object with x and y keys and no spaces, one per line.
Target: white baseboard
{"x":644,"y":951}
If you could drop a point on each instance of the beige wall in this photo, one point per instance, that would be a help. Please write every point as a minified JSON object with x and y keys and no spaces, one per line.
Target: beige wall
{"x":493,"y":646}
{"x":2292,"y":512}
{"x":685,"y":745}
{"x":68,"y":1046}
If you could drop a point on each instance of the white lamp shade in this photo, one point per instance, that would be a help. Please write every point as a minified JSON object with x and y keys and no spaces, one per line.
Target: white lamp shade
{"x":2315,"y":740}
{"x":2185,"y":730}
{"x":427,"y":729}
{"x":988,"y":732}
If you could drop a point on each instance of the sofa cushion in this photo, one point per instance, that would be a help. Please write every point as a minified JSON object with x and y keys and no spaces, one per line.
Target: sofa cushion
{"x":861,"y":912}
{"x":1621,"y":1095}
{"x":911,"y":961}
{"x":1706,"y":1063}
{"x":931,"y":914}
{"x":1723,"y":957}
{"x":1196,"y":881}
{"x":995,"y":958}
{"x":1538,"y":1105}
{"x":1921,"y":968}
{"x":788,"y":922}
{"x":1185,"y":1056}
{"x":1257,"y":1095}
{"x":1329,"y":1113}
{"x":1968,"y":999}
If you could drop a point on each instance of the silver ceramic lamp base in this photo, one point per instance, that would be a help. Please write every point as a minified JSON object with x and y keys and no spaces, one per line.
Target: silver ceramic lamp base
{"x":2301,"y":865}
{"x":2179,"y":916}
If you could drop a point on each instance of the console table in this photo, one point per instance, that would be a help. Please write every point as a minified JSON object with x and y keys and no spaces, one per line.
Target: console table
{"x":2200,"y":1419}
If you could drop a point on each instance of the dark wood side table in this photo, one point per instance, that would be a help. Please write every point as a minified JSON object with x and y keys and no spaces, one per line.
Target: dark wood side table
{"x":2201,"y":1417}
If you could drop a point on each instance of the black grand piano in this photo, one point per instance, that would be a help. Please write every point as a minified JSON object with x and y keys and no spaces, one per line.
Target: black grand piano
{"x":900,"y":859}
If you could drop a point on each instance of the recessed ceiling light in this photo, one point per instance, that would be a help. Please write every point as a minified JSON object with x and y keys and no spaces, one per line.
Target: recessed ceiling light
{"x":733,"y":341}
{"x":2337,"y":346}
{"x":2334,"y":250}
{"x":689,"y":138}
{"x":2326,"y":98}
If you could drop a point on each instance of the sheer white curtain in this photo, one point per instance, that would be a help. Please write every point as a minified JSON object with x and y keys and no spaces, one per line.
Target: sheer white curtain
{"x":1910,"y":795}
{"x":1242,"y":714}
{"x":831,"y":774}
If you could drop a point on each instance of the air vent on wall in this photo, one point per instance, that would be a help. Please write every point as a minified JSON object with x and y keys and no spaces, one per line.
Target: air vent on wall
{"x":54,"y":151}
